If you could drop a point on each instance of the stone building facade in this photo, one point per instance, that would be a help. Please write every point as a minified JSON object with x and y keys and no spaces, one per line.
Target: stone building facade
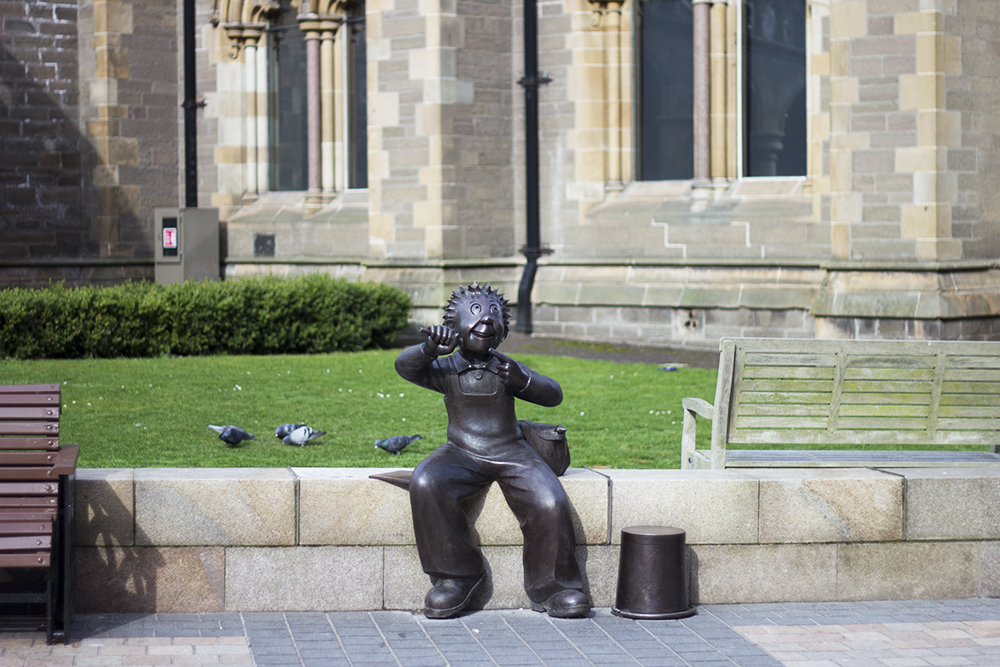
{"x":809,"y":168}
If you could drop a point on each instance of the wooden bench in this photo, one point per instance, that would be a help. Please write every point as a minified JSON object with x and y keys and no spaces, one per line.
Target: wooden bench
{"x":852,"y":394}
{"x":36,"y":503}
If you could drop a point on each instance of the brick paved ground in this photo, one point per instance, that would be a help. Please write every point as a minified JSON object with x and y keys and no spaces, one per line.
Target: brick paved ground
{"x":862,"y":634}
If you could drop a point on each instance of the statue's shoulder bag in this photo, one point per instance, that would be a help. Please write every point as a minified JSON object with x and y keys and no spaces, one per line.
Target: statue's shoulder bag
{"x":549,"y":440}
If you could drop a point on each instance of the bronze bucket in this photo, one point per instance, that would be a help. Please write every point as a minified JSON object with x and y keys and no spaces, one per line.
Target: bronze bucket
{"x":652,"y":574}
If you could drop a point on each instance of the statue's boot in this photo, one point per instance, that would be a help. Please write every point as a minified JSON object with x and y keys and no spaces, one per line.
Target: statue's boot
{"x":567,"y":603}
{"x":450,"y":596}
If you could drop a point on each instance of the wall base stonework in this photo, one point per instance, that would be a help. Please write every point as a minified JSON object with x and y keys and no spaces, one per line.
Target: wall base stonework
{"x":333,"y":539}
{"x":74,"y":272}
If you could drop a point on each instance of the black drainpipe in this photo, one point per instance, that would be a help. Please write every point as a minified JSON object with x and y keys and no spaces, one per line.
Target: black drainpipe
{"x":532,"y":249}
{"x":190,"y":106}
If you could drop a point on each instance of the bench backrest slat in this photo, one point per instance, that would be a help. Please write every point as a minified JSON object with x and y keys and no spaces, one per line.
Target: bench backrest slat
{"x":29,"y":428}
{"x":35,"y":399}
{"x":851,"y":392}
{"x":29,"y":388}
{"x":28,"y":412}
{"x":49,"y":443}
{"x":34,"y":458}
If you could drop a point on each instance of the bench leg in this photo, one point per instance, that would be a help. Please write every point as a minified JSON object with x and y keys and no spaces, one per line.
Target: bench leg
{"x":50,"y":598}
{"x":69,"y":559}
{"x":63,"y":570}
{"x":59,"y":597}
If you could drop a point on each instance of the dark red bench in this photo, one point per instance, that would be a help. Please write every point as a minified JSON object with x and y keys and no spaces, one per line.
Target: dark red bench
{"x":37,"y":488}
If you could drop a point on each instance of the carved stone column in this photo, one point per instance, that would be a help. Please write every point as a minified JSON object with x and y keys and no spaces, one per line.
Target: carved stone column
{"x":733,"y":150}
{"x":311,"y":29}
{"x":327,"y":89}
{"x":719,"y":138}
{"x":614,"y":94}
{"x":250,"y":56}
{"x":702,"y":89}
{"x":263,"y":97}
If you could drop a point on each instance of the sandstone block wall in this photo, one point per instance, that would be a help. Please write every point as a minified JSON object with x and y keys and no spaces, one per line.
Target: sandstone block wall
{"x":201,"y":540}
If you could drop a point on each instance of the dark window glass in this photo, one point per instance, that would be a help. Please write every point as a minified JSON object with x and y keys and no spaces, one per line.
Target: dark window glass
{"x":666,"y":108}
{"x":289,"y":166}
{"x":357,"y":95}
{"x":775,"y":88}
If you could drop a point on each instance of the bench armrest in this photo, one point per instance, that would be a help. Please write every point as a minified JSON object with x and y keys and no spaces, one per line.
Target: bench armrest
{"x":693,"y":407}
{"x":698,"y":406}
{"x":65,"y":463}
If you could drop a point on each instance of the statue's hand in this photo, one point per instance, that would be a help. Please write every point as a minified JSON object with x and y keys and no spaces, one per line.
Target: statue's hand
{"x":510,"y":372}
{"x":441,"y":340}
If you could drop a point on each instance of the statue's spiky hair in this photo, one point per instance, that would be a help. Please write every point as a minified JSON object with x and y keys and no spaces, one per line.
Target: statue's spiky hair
{"x":463,"y":294}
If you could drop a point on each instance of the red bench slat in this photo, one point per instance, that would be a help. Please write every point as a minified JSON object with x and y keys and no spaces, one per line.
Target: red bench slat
{"x":23,"y":559}
{"x":28,"y":488}
{"x":29,"y":388}
{"x":29,"y":412}
{"x":41,"y":526}
{"x":51,"y":444}
{"x":29,"y":428}
{"x":25,"y":543}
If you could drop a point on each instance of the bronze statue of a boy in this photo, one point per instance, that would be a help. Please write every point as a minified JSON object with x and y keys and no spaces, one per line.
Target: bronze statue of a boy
{"x":486,"y":444}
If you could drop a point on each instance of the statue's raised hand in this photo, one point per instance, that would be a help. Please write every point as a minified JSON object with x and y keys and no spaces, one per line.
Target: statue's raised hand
{"x":510,"y":372}
{"x":441,"y":340}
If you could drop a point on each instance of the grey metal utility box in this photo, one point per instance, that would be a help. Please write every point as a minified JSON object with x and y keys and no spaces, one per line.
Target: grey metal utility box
{"x":186,"y":243}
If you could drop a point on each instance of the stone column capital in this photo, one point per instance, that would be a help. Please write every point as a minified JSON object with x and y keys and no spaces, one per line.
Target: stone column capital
{"x":310,"y":25}
{"x":329,"y":25}
{"x":244,"y":33}
{"x":607,"y":5}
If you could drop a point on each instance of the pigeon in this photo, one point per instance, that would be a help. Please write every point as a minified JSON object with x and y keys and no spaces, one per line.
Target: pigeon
{"x":232,"y":435}
{"x":301,"y":435}
{"x":285,"y":429}
{"x":396,"y":443}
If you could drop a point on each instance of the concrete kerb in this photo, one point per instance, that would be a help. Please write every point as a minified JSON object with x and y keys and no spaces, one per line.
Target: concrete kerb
{"x":327,"y":539}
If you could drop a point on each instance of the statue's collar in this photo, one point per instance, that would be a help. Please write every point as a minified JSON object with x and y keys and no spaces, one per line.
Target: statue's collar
{"x":462,"y":364}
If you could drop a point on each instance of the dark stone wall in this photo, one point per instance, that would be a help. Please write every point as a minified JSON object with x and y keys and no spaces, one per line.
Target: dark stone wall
{"x":40,"y":143}
{"x":89,"y":137}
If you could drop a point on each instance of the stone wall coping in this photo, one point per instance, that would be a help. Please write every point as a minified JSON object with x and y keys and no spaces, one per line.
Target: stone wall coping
{"x":612,"y":474}
{"x":228,"y":474}
{"x":946,"y":473}
{"x":644,"y":475}
{"x":339,"y":473}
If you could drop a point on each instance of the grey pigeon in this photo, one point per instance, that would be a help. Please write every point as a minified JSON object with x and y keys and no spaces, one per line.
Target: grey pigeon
{"x":232,"y":435}
{"x":301,"y":435}
{"x":285,"y":429}
{"x":396,"y":443}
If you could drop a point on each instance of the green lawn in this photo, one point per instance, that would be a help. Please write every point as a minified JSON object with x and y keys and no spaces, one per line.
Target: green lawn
{"x":140,"y":413}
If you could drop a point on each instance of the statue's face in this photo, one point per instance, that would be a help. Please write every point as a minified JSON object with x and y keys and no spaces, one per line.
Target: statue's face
{"x":479,"y":322}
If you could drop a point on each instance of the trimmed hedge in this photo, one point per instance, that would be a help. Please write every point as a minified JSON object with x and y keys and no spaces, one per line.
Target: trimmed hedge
{"x":306,"y":315}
